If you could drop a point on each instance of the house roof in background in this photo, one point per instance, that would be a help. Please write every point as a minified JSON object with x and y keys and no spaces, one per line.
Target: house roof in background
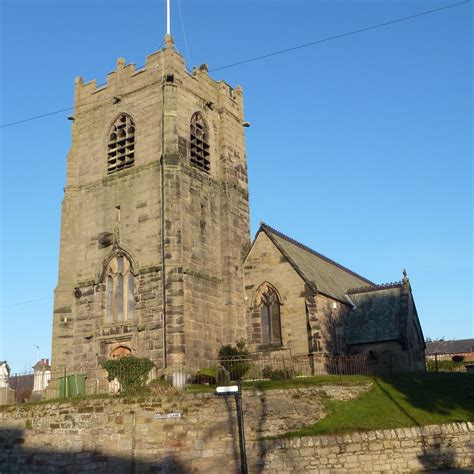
{"x":450,"y":347}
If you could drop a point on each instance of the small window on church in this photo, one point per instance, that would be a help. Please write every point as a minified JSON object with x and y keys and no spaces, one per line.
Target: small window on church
{"x":121,"y":149}
{"x":199,"y":142}
{"x":270,"y":317}
{"x":120,"y":298}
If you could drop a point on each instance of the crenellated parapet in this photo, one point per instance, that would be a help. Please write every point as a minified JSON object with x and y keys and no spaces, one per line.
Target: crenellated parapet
{"x":163,"y":66}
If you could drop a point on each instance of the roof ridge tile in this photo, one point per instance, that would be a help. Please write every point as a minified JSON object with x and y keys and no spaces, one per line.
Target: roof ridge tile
{"x":382,"y":286}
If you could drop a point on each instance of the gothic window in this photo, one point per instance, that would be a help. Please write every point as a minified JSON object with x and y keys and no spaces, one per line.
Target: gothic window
{"x":199,"y":140}
{"x":120,"y":298}
{"x":270,"y":317}
{"x":121,"y":149}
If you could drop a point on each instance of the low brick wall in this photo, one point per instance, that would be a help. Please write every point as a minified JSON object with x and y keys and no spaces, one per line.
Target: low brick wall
{"x":134,"y":435}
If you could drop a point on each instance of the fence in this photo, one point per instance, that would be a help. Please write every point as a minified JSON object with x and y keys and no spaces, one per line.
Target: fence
{"x":453,"y":362}
{"x":85,"y":381}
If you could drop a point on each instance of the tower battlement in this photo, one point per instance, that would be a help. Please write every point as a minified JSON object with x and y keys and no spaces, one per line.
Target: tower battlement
{"x":161,"y":64}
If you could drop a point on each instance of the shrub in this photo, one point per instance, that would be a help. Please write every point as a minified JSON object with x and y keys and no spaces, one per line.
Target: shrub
{"x":277,"y":374}
{"x":458,"y":358}
{"x":206,"y":376}
{"x":131,"y":372}
{"x":444,"y":366}
{"x":162,"y":387}
{"x":236,"y":360}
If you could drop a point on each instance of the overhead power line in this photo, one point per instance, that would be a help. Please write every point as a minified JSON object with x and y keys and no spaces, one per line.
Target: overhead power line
{"x":283,"y":51}
{"x":25,"y":302}
{"x":342,"y":35}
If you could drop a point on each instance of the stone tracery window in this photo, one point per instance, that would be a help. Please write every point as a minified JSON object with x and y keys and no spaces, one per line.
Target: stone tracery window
{"x":199,"y":142}
{"x":121,"y":147}
{"x":270,"y":317}
{"x":120,"y":298}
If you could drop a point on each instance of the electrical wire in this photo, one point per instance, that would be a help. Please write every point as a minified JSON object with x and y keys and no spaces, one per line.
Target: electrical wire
{"x":25,"y":302}
{"x":342,"y":35}
{"x":275,"y":53}
{"x":188,"y":58}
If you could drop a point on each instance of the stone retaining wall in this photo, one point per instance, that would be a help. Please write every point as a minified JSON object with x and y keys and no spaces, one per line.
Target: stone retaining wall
{"x":134,"y":435}
{"x":400,"y":450}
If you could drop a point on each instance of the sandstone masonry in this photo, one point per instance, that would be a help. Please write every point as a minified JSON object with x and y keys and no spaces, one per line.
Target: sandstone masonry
{"x":115,"y":435}
{"x":184,"y":230}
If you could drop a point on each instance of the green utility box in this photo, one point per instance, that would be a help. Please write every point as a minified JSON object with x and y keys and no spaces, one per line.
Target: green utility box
{"x":72,"y":385}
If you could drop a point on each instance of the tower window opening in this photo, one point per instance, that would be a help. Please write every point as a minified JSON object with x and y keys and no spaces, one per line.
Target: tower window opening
{"x":199,"y":142}
{"x":121,"y":148}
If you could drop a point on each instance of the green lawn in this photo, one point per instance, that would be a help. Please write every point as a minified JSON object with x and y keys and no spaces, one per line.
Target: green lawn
{"x":401,"y":401}
{"x":293,"y":383}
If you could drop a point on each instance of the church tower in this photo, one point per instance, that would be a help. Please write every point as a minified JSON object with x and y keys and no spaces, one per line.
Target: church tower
{"x":155,"y":218}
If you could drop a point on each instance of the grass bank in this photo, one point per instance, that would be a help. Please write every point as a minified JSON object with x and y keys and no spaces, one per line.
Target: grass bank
{"x":292,"y":383}
{"x":400,"y":401}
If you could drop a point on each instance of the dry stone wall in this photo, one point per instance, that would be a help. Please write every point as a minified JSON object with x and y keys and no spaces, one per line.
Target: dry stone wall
{"x":139,"y":435}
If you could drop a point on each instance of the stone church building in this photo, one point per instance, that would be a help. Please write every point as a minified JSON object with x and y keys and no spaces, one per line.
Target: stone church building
{"x":156,"y":258}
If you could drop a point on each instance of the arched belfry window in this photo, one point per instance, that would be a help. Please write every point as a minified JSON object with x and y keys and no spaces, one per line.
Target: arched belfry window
{"x":199,"y":142}
{"x":121,"y":147}
{"x":120,"y":300}
{"x":270,"y":316}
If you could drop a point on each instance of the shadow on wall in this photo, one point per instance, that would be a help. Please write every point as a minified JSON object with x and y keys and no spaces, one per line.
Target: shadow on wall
{"x":15,"y":458}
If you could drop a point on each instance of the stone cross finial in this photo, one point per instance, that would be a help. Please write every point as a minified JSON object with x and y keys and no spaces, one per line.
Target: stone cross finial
{"x":405,"y":279}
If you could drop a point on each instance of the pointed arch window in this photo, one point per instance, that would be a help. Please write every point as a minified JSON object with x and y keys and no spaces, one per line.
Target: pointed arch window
{"x":199,"y":142}
{"x":120,"y":298}
{"x":270,"y":317}
{"x":121,"y":147}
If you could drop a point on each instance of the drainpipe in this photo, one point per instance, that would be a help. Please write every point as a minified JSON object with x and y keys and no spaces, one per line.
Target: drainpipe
{"x":162,"y":223}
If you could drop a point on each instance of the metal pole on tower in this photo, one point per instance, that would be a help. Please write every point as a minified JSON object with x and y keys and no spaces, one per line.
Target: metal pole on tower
{"x":168,"y":19}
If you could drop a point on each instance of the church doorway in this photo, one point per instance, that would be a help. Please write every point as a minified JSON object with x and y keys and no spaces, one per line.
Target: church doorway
{"x":120,"y":351}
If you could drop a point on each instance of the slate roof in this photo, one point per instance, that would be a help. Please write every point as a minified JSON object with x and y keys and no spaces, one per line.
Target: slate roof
{"x":376,"y":315}
{"x":319,"y":272}
{"x":450,"y":347}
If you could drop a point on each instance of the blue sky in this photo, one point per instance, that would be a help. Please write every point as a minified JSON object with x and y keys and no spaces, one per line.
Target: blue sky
{"x":359,"y":147}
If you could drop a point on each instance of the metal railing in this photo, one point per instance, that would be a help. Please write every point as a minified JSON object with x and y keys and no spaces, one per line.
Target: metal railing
{"x":93,"y":381}
{"x":453,"y":362}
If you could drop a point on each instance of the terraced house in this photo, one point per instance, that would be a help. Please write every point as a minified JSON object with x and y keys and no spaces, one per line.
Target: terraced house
{"x":156,"y":258}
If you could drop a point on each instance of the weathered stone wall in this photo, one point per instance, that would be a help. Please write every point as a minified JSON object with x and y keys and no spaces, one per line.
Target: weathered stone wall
{"x":388,"y":451}
{"x":265,"y":263}
{"x":310,"y":323}
{"x":113,"y":435}
{"x":201,"y":218}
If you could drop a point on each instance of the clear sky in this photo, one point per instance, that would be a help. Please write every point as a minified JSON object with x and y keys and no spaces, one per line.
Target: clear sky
{"x":359,"y":147}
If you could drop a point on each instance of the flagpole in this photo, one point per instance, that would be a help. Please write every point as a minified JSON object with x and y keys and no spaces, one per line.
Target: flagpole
{"x":168,"y":20}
